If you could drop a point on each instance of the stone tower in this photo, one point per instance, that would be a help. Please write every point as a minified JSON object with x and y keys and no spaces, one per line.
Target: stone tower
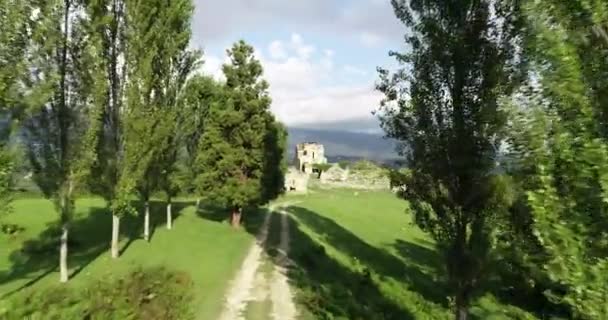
{"x":308,"y":154}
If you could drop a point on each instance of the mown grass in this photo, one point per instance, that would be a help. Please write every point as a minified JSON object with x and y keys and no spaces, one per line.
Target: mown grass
{"x":199,"y":245}
{"x":357,"y":255}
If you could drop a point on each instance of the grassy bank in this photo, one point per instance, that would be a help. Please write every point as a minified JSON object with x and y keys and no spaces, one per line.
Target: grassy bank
{"x":203,"y":247}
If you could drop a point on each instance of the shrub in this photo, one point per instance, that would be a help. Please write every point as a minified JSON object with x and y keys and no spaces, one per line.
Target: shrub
{"x":150,"y":294}
{"x":363,"y":165}
{"x":344,"y":164}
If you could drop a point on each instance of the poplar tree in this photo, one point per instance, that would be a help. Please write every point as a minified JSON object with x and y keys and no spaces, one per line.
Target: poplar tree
{"x":442,"y":105}
{"x":111,"y":178}
{"x":58,"y":130}
{"x":235,"y":148}
{"x":159,"y":35}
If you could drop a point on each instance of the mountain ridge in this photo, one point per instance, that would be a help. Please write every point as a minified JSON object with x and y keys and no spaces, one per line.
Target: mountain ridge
{"x":344,"y":144}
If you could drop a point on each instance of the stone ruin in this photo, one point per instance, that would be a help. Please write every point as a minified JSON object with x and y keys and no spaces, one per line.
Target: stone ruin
{"x":296,"y":181}
{"x":367,"y":177}
{"x":308,"y":154}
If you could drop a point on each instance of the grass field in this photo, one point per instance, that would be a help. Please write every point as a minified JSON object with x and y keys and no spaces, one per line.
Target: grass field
{"x":211,"y":252}
{"x":356,"y":255}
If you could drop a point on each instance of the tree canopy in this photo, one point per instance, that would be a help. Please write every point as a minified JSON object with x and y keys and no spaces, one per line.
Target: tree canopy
{"x":242,"y":143}
{"x":442,"y":105}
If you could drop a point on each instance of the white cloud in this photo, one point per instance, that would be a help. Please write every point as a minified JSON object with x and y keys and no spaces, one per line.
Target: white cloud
{"x":300,"y":93}
{"x":213,"y":67}
{"x":352,"y":70}
{"x":217,"y":20}
{"x":303,"y":50}
{"x":277,"y":50}
{"x":302,"y":85}
{"x":370,"y":39}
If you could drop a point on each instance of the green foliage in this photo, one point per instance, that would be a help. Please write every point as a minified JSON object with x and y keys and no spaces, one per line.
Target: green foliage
{"x":163,"y":67}
{"x":6,"y":180}
{"x":105,"y":27}
{"x":13,"y":48}
{"x":558,"y":138}
{"x":241,"y":141}
{"x":442,"y":107}
{"x":344,"y":164}
{"x":363,"y":165}
{"x":143,"y":294}
{"x":59,"y":117}
{"x":199,"y":93}
{"x":275,"y":163}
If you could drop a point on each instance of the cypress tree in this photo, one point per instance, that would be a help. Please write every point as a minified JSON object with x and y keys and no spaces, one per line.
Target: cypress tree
{"x":234,"y":152}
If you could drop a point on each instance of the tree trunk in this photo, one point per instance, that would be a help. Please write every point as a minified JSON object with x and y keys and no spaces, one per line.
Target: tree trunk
{"x":63,"y":254}
{"x":235,"y":218}
{"x":115,"y":230}
{"x":462,"y":309}
{"x":147,"y":221}
{"x":198,"y":203}
{"x":169,"y":216}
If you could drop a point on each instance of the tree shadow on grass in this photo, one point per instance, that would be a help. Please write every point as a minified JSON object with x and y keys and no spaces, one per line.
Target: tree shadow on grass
{"x":158,"y":217}
{"x":251,"y":220}
{"x":422,"y":257}
{"x":89,"y":237}
{"x":410,"y":270}
{"x":330,"y":290}
{"x":213,"y":212}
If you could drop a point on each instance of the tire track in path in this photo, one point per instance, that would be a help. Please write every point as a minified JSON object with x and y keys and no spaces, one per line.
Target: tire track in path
{"x":247,"y":285}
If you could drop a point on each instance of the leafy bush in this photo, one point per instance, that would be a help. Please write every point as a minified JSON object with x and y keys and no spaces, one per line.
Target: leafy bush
{"x":344,"y":164}
{"x":11,"y":229}
{"x":143,"y":294}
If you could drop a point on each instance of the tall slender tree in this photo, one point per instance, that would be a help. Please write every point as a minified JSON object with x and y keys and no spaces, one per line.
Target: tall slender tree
{"x":234,"y":150}
{"x":158,"y":37}
{"x":443,"y":107}
{"x":559,"y":141}
{"x":59,"y":119}
{"x":106,"y":30}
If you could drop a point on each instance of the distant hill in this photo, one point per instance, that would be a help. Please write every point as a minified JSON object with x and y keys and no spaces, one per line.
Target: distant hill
{"x":345,"y":144}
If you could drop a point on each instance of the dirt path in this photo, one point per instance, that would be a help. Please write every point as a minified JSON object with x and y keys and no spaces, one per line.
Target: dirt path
{"x":283,"y":306}
{"x":260,"y":290}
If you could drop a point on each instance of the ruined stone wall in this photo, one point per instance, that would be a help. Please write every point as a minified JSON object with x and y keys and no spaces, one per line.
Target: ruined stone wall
{"x":374,"y":178}
{"x":296,"y":181}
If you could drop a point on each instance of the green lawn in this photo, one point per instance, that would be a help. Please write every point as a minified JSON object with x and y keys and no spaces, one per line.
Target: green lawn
{"x":208,"y":250}
{"x":358,"y":256}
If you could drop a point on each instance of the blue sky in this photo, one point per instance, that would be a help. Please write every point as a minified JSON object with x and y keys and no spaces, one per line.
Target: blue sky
{"x":319,"y":56}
